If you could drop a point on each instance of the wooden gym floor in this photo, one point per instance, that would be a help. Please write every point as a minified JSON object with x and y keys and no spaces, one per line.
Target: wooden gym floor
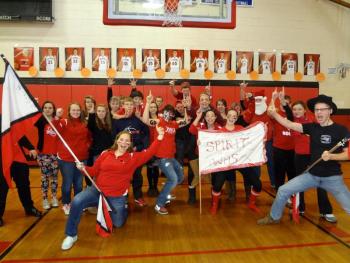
{"x":182,"y":236}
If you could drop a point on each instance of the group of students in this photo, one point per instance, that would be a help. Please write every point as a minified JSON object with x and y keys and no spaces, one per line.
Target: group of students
{"x":113,"y":142}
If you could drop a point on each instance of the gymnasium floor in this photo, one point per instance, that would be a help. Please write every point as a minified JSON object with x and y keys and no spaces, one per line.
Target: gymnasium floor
{"x":182,"y":236}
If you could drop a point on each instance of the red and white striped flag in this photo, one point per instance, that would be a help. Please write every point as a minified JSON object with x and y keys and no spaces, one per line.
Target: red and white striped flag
{"x":104,"y":224}
{"x":295,"y":208}
{"x":19,"y":112}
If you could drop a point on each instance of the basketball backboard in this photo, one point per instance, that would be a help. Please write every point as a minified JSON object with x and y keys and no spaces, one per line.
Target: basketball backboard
{"x":189,"y":13}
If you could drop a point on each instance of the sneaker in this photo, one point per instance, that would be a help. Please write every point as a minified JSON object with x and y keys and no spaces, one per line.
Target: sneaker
{"x":301,"y":213}
{"x":140,"y":202}
{"x":267,"y":220}
{"x":329,"y":218}
{"x":46,"y":204}
{"x":161,"y":210}
{"x":33,"y":212}
{"x":68,"y":242}
{"x":54,"y":202}
{"x":66,"y":209}
{"x":171,"y":197}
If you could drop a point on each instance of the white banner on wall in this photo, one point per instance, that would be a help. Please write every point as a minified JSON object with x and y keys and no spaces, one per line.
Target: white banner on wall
{"x":220,"y":151}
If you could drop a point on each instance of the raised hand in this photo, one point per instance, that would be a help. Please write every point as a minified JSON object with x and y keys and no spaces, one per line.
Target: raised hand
{"x":133,"y":83}
{"x":281,"y":96}
{"x":149,"y":97}
{"x":275,"y":94}
{"x":160,"y":131}
{"x":243,"y":85}
{"x":110,"y":82}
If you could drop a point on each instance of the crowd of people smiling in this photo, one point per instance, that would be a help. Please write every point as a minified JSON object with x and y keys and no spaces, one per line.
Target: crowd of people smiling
{"x":113,"y":141}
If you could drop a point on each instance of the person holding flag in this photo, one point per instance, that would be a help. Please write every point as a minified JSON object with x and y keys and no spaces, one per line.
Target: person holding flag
{"x":326,"y":137}
{"x":112,"y":172}
{"x":20,"y":174}
{"x":19,"y":113}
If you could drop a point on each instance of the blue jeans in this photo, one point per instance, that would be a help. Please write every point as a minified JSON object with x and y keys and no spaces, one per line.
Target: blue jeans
{"x":70,"y":175}
{"x":174,"y":173}
{"x":89,"y":198}
{"x":333,"y":184}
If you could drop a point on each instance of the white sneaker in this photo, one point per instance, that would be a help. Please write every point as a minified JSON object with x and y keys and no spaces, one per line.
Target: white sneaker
{"x":66,"y":209}
{"x":171,"y":197}
{"x":68,"y":242}
{"x":329,"y":217}
{"x":54,"y":202}
{"x":46,"y":204}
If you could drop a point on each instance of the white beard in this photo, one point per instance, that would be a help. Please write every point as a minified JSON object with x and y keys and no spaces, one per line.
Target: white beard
{"x":260,"y":108}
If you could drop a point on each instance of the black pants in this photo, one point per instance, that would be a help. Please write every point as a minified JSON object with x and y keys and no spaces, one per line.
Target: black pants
{"x":325,"y":207}
{"x":137,"y":182}
{"x":186,"y":148}
{"x":283,"y":164}
{"x":152,"y":174}
{"x":20,"y":174}
{"x":249,"y":173}
{"x":218,"y":179}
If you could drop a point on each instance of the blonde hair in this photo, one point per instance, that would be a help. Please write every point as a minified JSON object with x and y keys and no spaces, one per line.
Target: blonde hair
{"x":114,"y":147}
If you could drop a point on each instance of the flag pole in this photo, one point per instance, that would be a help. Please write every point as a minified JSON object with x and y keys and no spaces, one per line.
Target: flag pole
{"x":200,"y":193}
{"x":71,"y":152}
{"x":340,"y":143}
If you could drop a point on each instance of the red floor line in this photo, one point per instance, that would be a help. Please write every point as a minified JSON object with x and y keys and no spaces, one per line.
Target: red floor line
{"x":185,"y":253}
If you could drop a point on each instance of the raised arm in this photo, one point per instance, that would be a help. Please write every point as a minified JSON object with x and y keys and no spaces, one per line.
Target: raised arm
{"x":145,"y":115}
{"x":173,"y":90}
{"x":283,"y":121}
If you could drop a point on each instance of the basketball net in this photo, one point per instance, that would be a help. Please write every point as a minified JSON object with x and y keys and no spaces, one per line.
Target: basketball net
{"x":172,"y":13}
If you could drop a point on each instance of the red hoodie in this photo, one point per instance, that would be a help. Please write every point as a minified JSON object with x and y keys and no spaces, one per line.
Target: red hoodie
{"x":113,"y":174}
{"x":77,"y":136}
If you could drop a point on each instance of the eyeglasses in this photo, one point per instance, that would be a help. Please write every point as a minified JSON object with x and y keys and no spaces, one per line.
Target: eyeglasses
{"x":322,"y":109}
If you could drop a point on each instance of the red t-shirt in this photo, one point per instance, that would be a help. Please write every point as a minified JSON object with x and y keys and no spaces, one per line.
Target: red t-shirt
{"x":168,"y":147}
{"x":50,"y":141}
{"x":282,"y":136}
{"x":237,"y":128}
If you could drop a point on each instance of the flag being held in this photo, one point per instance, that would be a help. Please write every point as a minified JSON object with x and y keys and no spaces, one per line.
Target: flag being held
{"x":104,"y":224}
{"x":221,"y":151}
{"x":19,"y":112}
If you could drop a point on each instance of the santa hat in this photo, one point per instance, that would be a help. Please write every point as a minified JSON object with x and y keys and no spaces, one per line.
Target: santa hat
{"x":259,"y":93}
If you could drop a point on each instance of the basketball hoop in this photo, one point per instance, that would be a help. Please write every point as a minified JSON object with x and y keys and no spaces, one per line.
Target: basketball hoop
{"x":172,"y":13}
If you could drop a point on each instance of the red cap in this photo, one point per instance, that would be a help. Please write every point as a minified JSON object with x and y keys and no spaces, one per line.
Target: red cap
{"x":259,"y":93}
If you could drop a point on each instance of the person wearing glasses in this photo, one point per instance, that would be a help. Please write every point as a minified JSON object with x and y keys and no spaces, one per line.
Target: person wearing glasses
{"x":324,"y":135}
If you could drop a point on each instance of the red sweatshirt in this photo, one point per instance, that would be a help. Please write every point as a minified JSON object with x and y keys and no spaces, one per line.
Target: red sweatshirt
{"x":77,"y":136}
{"x":282,"y":136}
{"x":113,"y":174}
{"x":301,"y":141}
